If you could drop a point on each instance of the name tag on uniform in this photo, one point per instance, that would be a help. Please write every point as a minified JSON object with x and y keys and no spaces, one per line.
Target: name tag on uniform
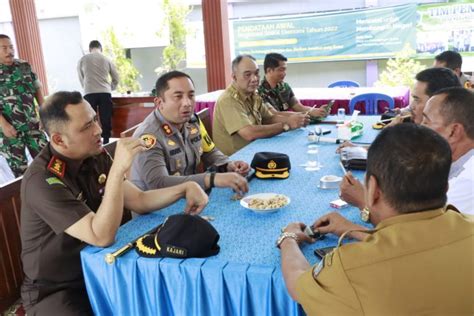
{"x":175,"y":151}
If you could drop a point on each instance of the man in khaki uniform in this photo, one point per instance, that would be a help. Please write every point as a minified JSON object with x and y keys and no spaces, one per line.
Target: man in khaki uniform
{"x":240,"y":115}
{"x":417,"y":260}
{"x":179,"y":142}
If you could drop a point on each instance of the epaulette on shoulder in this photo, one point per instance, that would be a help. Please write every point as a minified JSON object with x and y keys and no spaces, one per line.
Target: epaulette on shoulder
{"x":57,"y":167}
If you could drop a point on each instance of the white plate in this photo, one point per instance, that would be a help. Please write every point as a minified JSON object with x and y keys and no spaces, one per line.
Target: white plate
{"x":265,"y":196}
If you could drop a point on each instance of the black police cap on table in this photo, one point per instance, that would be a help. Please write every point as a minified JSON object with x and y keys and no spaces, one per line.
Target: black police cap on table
{"x":180,"y":236}
{"x":271,"y":165}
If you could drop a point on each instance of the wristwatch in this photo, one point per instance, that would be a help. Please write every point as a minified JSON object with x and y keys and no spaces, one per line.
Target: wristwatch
{"x":286,"y":127}
{"x":211,"y":179}
{"x":285,"y":235}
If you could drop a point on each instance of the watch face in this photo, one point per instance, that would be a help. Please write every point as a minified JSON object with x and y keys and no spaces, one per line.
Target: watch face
{"x":364,"y":215}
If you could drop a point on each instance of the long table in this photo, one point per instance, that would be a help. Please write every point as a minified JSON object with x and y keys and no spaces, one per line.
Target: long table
{"x":320,"y":96}
{"x":245,"y":277}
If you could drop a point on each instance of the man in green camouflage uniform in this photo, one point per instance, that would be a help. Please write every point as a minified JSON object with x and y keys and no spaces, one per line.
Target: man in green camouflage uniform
{"x":278,"y":95}
{"x":19,"y":124}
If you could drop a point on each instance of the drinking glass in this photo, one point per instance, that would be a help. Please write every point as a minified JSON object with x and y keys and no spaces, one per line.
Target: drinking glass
{"x":341,"y":115}
{"x":313,"y":163}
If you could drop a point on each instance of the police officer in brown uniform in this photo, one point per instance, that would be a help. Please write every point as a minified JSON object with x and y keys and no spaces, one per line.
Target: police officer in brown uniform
{"x":72,"y":195}
{"x":180,"y":142}
{"x":417,"y":260}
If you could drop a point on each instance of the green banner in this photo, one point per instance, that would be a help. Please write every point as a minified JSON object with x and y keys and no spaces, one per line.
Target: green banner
{"x":359,"y":34}
{"x":443,"y":27}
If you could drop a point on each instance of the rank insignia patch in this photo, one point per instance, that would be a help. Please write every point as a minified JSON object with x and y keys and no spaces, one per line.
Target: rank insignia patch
{"x":167,"y":129}
{"x":57,"y":166}
{"x":54,"y":180}
{"x":171,"y":143}
{"x":149,"y":140}
{"x":193,"y":131}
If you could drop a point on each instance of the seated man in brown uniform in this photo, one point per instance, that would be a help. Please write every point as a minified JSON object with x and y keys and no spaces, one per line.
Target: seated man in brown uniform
{"x":418,"y":259}
{"x":240,"y":115}
{"x":72,"y":195}
{"x":180,"y":142}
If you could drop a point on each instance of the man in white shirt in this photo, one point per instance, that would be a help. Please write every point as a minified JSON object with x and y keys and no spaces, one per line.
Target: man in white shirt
{"x":450,"y":112}
{"x":94,"y":70}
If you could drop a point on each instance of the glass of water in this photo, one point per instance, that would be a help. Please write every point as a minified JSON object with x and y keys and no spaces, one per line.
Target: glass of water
{"x":313,"y":163}
{"x":341,"y":115}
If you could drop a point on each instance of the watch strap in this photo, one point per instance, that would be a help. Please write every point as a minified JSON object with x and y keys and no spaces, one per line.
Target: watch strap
{"x":284,"y":236}
{"x":211,"y":179}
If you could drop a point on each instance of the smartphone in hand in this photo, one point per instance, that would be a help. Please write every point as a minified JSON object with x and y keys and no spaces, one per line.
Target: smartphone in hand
{"x":329,"y":106}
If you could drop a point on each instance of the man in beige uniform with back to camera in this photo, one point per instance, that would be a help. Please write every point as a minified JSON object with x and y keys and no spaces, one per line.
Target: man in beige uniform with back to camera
{"x":240,"y":116}
{"x":417,"y":261}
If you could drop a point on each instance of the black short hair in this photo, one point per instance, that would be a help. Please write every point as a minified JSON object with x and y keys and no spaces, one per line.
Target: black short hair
{"x":162,"y":85}
{"x":53,"y":111}
{"x":238,"y":59}
{"x":272,"y":61}
{"x":458,"y":106}
{"x":452,"y":59}
{"x":437,"y":79}
{"x":95,"y":44}
{"x":411,"y":165}
{"x":3,"y":36}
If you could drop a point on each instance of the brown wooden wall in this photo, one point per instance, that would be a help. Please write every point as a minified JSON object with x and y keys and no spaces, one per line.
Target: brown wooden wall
{"x":11,"y":272}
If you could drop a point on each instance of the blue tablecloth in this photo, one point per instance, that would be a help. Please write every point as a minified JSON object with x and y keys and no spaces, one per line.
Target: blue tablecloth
{"x":245,"y":277}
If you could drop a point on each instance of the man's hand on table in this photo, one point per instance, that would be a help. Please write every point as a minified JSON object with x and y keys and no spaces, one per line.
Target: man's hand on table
{"x":298,"y":229}
{"x":343,"y":145}
{"x":232,"y":180}
{"x":320,"y":112}
{"x":298,"y":120}
{"x":352,"y":191}
{"x":336,"y":224}
{"x":196,"y":198}
{"x":238,"y":166}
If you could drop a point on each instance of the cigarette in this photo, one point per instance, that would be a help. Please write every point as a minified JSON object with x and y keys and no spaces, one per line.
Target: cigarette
{"x":343,"y":168}
{"x":314,"y":105}
{"x":391,"y":119}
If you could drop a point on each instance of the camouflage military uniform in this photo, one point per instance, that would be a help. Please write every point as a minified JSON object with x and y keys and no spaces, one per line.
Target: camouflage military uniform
{"x":18,"y":85}
{"x":281,"y":97}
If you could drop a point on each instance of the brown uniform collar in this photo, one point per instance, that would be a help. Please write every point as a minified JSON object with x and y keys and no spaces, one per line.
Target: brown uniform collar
{"x":402,"y":218}
{"x":409,"y":217}
{"x":59,"y":165}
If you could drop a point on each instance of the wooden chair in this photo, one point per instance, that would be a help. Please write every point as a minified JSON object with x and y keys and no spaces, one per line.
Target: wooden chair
{"x":129,"y":132}
{"x":11,"y":271}
{"x":205,"y":117}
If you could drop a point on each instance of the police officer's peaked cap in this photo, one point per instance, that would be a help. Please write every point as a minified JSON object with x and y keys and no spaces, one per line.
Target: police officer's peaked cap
{"x":270,"y":165}
{"x":180,"y":236}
